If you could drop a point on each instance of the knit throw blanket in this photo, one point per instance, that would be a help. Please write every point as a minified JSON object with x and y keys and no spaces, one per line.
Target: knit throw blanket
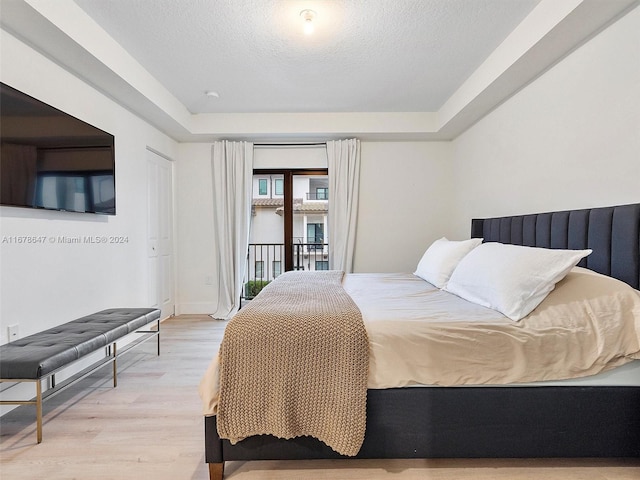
{"x":294,"y":362}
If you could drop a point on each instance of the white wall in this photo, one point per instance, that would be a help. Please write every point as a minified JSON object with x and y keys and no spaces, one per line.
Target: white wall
{"x":194,"y":230}
{"x":404,"y":204}
{"x":314,"y":156}
{"x":43,"y":285}
{"x":571,"y":139}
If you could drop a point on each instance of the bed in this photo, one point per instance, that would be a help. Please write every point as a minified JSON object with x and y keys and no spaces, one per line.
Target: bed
{"x":580,"y":418}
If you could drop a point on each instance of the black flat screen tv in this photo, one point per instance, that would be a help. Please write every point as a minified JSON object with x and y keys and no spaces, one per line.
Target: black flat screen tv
{"x":52,"y":160}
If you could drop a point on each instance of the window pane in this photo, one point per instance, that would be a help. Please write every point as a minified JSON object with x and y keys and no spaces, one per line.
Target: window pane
{"x":322,"y":193}
{"x":315,"y":232}
{"x":260,"y":269}
{"x":315,"y":236}
{"x":279,"y":186}
{"x":262,"y":186}
{"x":276,"y":268}
{"x":322,"y":265}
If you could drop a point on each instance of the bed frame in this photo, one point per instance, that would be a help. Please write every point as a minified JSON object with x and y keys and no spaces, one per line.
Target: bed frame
{"x":497,"y":421}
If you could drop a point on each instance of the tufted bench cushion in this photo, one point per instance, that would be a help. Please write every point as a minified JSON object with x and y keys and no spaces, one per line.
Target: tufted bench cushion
{"x":42,"y":353}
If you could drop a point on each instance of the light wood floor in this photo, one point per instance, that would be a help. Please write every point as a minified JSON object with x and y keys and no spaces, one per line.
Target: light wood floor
{"x":150,"y":427}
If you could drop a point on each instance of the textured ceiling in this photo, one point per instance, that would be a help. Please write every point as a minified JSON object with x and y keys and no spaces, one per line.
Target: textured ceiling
{"x":374,"y":69}
{"x":365,"y":55}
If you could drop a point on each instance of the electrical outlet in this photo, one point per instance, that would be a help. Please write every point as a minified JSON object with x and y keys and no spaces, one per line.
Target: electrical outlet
{"x":14,"y":332}
{"x":208,"y":280}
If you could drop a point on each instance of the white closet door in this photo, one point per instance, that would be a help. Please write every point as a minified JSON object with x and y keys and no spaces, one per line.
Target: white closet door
{"x":160,"y":234}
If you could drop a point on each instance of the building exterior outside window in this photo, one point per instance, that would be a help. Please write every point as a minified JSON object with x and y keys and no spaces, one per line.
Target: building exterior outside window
{"x":310,"y":228}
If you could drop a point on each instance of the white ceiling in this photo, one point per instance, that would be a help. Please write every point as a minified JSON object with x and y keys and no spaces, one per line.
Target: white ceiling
{"x":364,"y":55}
{"x":375,"y":69}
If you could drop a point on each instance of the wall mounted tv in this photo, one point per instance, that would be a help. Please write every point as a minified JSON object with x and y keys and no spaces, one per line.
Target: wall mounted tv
{"x":51,"y":160}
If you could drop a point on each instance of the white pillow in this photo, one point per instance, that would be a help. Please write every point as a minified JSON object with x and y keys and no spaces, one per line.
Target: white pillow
{"x":441,"y":258}
{"x":510,"y":278}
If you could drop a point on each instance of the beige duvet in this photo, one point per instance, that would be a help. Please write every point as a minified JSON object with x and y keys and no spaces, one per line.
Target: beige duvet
{"x":419,"y":335}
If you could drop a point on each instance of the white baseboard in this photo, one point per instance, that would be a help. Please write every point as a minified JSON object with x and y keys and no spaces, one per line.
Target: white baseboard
{"x":200,"y":308}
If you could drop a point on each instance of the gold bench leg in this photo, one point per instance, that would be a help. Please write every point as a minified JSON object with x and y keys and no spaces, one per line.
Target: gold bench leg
{"x":115,"y":366}
{"x":39,"y":411}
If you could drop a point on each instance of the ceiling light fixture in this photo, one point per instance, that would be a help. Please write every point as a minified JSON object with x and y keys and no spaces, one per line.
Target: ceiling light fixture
{"x":211,"y":93}
{"x":308,"y":16}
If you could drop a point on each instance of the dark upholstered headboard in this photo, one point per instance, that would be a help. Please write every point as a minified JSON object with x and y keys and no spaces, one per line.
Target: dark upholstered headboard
{"x":612,"y":232}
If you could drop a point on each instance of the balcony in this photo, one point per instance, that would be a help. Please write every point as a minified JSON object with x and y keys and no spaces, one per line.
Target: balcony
{"x":265,"y":261}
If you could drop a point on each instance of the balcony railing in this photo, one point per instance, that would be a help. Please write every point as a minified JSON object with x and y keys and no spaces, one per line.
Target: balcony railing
{"x":265,"y":261}
{"x":320,"y":195}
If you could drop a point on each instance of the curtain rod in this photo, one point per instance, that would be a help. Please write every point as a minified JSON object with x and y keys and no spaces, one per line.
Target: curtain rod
{"x":303,"y":144}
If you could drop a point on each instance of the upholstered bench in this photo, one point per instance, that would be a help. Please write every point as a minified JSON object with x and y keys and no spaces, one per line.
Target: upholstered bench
{"x":41,"y":355}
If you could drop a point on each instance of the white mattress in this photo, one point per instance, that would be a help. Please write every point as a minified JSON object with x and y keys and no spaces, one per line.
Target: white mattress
{"x":627,"y":375}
